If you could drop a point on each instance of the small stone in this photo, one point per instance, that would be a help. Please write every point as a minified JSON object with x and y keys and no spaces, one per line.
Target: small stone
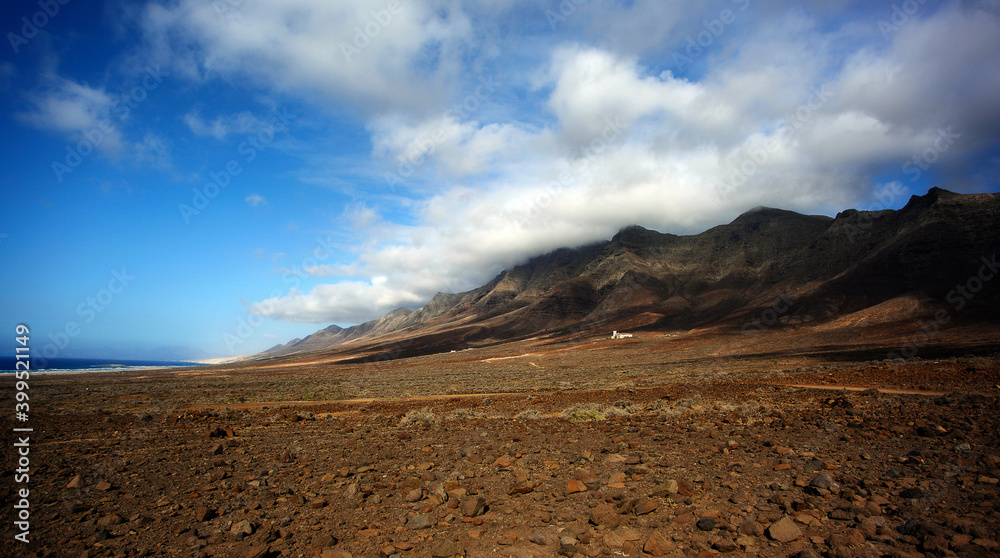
{"x":256,"y":551}
{"x":103,"y":486}
{"x":473,"y":506}
{"x":335,"y":553}
{"x":988,"y":544}
{"x":706,"y":523}
{"x":323,"y":541}
{"x":422,"y":521}
{"x":522,"y":487}
{"x":447,"y":549}
{"x":318,"y":503}
{"x":203,"y":514}
{"x":665,"y":489}
{"x":825,"y":481}
{"x":504,"y":461}
{"x":508,"y":539}
{"x":751,"y":528}
{"x":414,"y":495}
{"x":76,"y":482}
{"x":784,"y":530}
{"x":842,"y":514}
{"x":645,"y":505}
{"x":935,"y":545}
{"x":216,"y":449}
{"x":109,"y":520}
{"x":242,"y":528}
{"x":575,"y":486}
{"x":629,"y":534}
{"x":613,"y":540}
{"x":725,"y":546}
{"x":606,"y":515}
{"x":684,"y":518}
{"x":544,"y":537}
{"x":658,"y":544}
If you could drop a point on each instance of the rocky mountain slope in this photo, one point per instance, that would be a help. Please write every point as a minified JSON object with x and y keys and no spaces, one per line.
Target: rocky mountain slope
{"x":767,"y":268}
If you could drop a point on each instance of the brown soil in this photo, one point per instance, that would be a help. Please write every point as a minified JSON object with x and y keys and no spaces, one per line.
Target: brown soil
{"x":670,"y":443}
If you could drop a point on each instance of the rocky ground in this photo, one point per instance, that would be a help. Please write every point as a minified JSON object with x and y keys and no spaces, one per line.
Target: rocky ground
{"x":237,"y":464}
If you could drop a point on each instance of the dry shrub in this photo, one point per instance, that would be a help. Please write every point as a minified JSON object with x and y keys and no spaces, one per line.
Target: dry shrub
{"x":692,"y":403}
{"x":464,"y":414}
{"x":584,"y":412}
{"x":528,"y":414}
{"x":422,"y":416}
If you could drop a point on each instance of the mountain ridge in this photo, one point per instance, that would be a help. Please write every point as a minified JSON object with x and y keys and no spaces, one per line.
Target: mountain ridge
{"x":642,"y":278}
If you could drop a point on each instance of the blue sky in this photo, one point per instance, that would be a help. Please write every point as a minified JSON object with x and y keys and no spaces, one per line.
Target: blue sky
{"x":221,"y":176}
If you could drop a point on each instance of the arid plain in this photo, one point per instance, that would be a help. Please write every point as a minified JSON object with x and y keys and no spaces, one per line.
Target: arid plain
{"x":805,"y":441}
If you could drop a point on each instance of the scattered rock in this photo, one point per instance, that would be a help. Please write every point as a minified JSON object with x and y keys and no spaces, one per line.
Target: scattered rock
{"x":725,"y":546}
{"x":203,"y":514}
{"x":544,"y":537}
{"x":826,"y":482}
{"x":665,"y":489}
{"x":414,"y":495}
{"x":447,"y":549}
{"x":421,"y":521}
{"x":659,"y":544}
{"x":751,"y":528}
{"x":605,"y":515}
{"x":109,"y":520}
{"x":706,"y":523}
{"x":523,"y":487}
{"x":242,"y":528}
{"x":256,"y":551}
{"x":784,"y":530}
{"x":473,"y":506}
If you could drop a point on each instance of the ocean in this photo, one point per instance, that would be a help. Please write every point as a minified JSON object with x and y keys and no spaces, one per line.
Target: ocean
{"x":8,"y":364}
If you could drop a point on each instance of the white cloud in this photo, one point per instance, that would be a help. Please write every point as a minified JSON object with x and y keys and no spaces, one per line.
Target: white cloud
{"x":320,"y":270}
{"x":349,"y":301}
{"x":222,"y":126}
{"x":352,"y":50}
{"x":256,"y":200}
{"x":153,"y":151}
{"x":264,"y":254}
{"x":455,"y":149}
{"x":76,"y":110}
{"x":595,"y":127}
{"x":940,"y":71}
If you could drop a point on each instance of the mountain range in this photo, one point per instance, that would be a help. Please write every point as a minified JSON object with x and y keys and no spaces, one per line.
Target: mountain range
{"x":768,"y":268}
